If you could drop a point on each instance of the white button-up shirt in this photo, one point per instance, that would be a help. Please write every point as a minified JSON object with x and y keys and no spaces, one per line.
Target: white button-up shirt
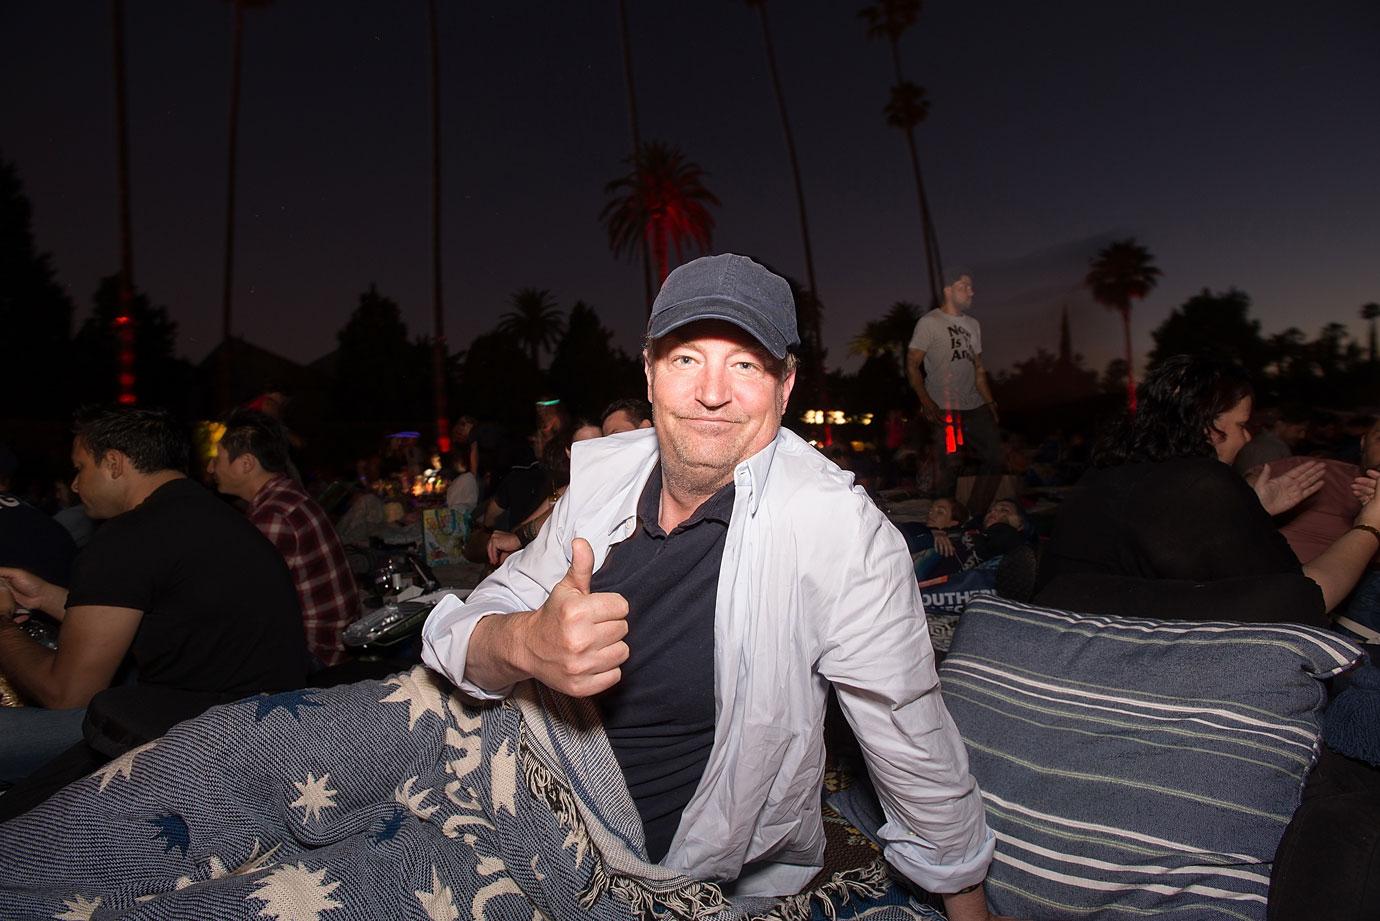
{"x":815,"y":587}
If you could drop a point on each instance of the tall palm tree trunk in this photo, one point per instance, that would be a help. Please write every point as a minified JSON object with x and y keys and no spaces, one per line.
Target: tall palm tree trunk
{"x":626,"y":45}
{"x":224,"y":387}
{"x":124,"y":320}
{"x":790,"y":149}
{"x":933,"y":266}
{"x":438,"y":344}
{"x":813,"y":322}
{"x":1130,"y":360}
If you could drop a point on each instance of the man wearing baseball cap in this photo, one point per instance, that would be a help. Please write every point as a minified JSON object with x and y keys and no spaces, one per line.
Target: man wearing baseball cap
{"x":697,"y":581}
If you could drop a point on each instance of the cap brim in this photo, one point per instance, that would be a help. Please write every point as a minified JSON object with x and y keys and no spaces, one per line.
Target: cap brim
{"x":718,"y":307}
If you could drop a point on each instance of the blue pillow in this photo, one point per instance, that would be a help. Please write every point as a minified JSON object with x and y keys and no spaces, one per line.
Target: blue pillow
{"x":1132,"y":766}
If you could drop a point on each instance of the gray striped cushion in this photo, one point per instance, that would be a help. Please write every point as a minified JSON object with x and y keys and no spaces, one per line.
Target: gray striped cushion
{"x":1135,"y":767}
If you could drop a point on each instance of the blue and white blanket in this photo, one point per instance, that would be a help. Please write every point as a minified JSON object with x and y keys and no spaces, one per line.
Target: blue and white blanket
{"x":392,"y":799}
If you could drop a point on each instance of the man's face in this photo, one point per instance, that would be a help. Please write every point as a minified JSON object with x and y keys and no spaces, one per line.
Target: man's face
{"x":1370,"y":447}
{"x":622,"y":421}
{"x":231,"y":474}
{"x":717,"y":399}
{"x":96,"y":481}
{"x":960,"y":293}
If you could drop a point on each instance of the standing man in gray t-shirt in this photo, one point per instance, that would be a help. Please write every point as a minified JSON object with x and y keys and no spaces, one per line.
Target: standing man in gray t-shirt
{"x":944,"y":367}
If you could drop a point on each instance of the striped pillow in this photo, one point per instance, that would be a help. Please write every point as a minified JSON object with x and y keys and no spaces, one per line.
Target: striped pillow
{"x":1133,"y":767}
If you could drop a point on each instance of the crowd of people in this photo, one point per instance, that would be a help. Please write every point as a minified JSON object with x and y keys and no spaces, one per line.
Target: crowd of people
{"x":685,"y":561}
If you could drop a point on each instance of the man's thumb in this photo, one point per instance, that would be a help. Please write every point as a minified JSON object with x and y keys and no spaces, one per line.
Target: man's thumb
{"x":581,"y":565}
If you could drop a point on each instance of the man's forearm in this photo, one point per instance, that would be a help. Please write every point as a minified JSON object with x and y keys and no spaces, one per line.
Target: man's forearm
{"x":967,"y":906}
{"x":494,"y":657}
{"x":27,"y":665}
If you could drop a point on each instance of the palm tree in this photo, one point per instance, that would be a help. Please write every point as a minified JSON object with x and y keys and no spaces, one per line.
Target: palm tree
{"x":626,"y":44}
{"x":661,"y":203}
{"x":438,"y":341}
{"x":811,"y":323}
{"x":1370,"y":312}
{"x":889,"y":334}
{"x":908,"y":107}
{"x":535,"y":321}
{"x":236,"y":55}
{"x":124,"y":317}
{"x":1122,"y":273}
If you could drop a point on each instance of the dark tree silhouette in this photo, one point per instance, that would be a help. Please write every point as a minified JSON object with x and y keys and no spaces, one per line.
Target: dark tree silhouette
{"x":380,"y":376}
{"x":890,"y":334}
{"x":1122,"y":273}
{"x":908,"y":107}
{"x":1368,"y":313}
{"x":1215,"y":322}
{"x":535,"y":322}
{"x":164,"y":379}
{"x":587,"y":371}
{"x":35,"y":313}
{"x":662,"y":203}
{"x":499,"y":380}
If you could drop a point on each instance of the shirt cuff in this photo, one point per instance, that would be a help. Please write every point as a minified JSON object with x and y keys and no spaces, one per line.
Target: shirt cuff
{"x":446,"y":642}
{"x":914,"y":861}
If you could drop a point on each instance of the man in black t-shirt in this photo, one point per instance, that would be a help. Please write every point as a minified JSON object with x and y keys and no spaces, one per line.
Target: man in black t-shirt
{"x":201,"y":601}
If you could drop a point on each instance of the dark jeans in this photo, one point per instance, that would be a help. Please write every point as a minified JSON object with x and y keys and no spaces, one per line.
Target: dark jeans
{"x":981,"y":439}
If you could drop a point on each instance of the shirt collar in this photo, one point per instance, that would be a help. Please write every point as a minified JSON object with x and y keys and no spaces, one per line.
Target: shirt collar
{"x":267,"y":490}
{"x":718,"y":507}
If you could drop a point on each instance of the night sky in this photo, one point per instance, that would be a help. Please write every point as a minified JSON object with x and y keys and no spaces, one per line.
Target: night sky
{"x":1239,"y":141}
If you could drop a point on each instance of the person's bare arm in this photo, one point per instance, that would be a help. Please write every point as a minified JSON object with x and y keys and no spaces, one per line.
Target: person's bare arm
{"x":915,"y":361}
{"x":572,"y":643}
{"x":984,"y":387}
{"x":1337,"y":569}
{"x":93,"y":641}
{"x":969,"y":906}
{"x":34,"y":593}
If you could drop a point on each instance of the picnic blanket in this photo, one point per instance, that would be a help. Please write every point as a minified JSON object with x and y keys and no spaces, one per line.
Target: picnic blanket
{"x":391,"y":799}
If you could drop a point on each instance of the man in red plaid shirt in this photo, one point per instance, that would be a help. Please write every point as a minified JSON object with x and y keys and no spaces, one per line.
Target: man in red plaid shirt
{"x":251,"y":463}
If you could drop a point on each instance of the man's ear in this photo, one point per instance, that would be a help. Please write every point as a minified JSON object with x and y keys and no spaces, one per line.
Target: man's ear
{"x":786,"y":387}
{"x":647,"y":369}
{"x":114,"y":463}
{"x":246,"y":464}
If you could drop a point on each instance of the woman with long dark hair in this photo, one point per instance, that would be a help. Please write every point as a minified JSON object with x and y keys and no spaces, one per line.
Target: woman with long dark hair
{"x":1162,"y":526}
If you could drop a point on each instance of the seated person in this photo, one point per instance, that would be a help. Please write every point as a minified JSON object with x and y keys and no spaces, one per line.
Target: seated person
{"x":1319,"y":520}
{"x":524,"y":488}
{"x":29,"y":539}
{"x":626,"y":416}
{"x":1281,"y":433}
{"x":703,"y":583}
{"x":463,"y":492}
{"x":251,"y":464}
{"x":557,"y":461}
{"x":176,"y":578}
{"x":1121,"y":544}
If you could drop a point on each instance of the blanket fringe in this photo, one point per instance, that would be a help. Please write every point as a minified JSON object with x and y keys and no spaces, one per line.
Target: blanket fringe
{"x":693,"y":901}
{"x":867,"y":882}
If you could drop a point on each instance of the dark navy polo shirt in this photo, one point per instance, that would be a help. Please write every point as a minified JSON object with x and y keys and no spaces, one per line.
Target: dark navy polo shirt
{"x":660,"y":715}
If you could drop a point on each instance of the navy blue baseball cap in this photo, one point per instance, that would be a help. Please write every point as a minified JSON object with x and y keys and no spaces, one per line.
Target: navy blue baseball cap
{"x":732,"y":288}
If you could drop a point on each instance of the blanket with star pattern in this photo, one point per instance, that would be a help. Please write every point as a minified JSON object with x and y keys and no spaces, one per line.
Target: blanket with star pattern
{"x":392,"y":799}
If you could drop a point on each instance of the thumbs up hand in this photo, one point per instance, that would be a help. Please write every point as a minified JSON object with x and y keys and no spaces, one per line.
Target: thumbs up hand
{"x":574,"y":642}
